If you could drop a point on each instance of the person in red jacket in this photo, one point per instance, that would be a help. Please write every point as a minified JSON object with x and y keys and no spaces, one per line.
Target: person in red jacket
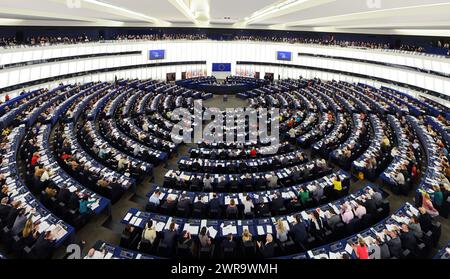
{"x":7,"y":98}
{"x":34,"y":159}
{"x":253,"y":152}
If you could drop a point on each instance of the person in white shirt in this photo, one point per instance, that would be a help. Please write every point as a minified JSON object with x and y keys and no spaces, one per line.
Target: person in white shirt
{"x":46,"y":175}
{"x":136,"y":150}
{"x":273,"y":181}
{"x":154,"y":199}
{"x":145,"y":126}
{"x":207,"y":183}
{"x":400,"y":178}
{"x":360,"y":211}
{"x":248,"y":205}
{"x":292,"y":134}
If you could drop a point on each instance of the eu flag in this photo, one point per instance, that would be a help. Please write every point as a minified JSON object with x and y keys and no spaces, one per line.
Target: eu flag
{"x":221,"y":67}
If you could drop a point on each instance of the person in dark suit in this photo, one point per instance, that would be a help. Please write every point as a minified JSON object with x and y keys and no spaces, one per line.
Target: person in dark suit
{"x":370,"y":205}
{"x":409,"y":240}
{"x":262,"y":209}
{"x":267,"y":250}
{"x":229,"y":243}
{"x":200,"y":204}
{"x":277,"y":203}
{"x":169,"y":205}
{"x":394,"y":244}
{"x":43,"y":247}
{"x":170,"y":236}
{"x":214,"y":203}
{"x":184,"y":204}
{"x":299,"y":230}
{"x":222,"y":183}
{"x":12,"y":214}
{"x":73,"y":201}
{"x":4,"y":208}
{"x":425,"y":220}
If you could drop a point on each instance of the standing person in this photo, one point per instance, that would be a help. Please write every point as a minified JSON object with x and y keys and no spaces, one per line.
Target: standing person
{"x":361,"y":250}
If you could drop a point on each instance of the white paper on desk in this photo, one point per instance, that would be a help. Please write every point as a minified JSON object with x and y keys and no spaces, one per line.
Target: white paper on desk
{"x":127,"y":217}
{"x":348,"y":249}
{"x":269,"y":229}
{"x":310,"y":254}
{"x":138,"y":222}
{"x":72,"y":189}
{"x":133,"y":220}
{"x":414,"y":210}
{"x":108,"y":256}
{"x":260,"y":230}
{"x":43,"y":227}
{"x":333,"y":256}
{"x":321,"y":256}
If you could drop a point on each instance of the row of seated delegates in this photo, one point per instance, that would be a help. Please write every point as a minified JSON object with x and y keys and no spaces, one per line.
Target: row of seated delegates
{"x":236,"y":182}
{"x":143,"y":136}
{"x":444,"y":253}
{"x":249,"y":205}
{"x":299,"y":231}
{"x":7,"y":103}
{"x":41,"y":174}
{"x":115,"y":136}
{"x":244,"y":153}
{"x":18,"y":222}
{"x":26,"y":227}
{"x":375,"y":158}
{"x":332,"y":141}
{"x":408,"y":233}
{"x":103,"y":250}
{"x":241,"y":165}
{"x":353,"y":146}
{"x":108,"y":186}
{"x":435,"y":181}
{"x":107,"y":155}
{"x":404,"y":171}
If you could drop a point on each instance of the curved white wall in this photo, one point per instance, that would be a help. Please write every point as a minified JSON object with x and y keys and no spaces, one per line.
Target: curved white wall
{"x":218,"y":51}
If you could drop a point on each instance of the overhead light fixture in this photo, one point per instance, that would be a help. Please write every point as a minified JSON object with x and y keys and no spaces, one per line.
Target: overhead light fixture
{"x":117,"y":8}
{"x":197,"y":11}
{"x":273,"y":9}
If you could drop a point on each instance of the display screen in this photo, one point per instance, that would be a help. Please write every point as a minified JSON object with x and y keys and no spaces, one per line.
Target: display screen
{"x":157,"y":54}
{"x":284,"y":55}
